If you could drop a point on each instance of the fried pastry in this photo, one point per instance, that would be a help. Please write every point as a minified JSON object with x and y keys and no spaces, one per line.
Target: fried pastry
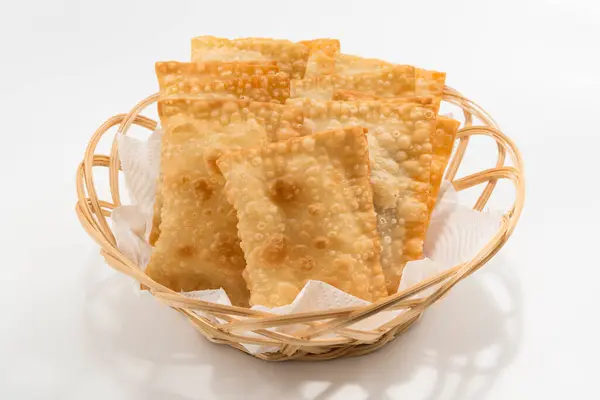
{"x":240,"y":80}
{"x":442,"y":143}
{"x":428,"y":83}
{"x":323,"y":52}
{"x":291,"y":57}
{"x":395,"y":82}
{"x":380,"y":81}
{"x":347,"y":64}
{"x":244,"y":80}
{"x":353,"y":95}
{"x":305,"y":212}
{"x":400,"y":153}
{"x":198,"y":247}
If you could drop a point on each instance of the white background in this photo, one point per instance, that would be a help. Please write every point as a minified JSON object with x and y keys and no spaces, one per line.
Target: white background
{"x":526,"y":326}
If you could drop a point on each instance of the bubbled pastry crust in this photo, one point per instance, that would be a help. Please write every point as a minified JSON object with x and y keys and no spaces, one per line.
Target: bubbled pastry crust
{"x":442,"y":143}
{"x":198,"y":247}
{"x":305,"y":211}
{"x":322,"y":56}
{"x":219,"y":70}
{"x":359,"y":77}
{"x":353,"y":95}
{"x":255,"y":82}
{"x":400,"y":154}
{"x":427,"y":83}
{"x":393,"y":82}
{"x":291,"y":57}
{"x":347,"y":64}
{"x":244,"y":80}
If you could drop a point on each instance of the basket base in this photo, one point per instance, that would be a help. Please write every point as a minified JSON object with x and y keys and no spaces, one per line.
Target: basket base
{"x":330,"y":353}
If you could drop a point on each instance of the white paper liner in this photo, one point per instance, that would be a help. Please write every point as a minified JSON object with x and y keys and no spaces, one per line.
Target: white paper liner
{"x":456,"y":233}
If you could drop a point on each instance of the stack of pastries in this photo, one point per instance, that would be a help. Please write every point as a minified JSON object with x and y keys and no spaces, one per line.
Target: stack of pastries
{"x":284,"y":162}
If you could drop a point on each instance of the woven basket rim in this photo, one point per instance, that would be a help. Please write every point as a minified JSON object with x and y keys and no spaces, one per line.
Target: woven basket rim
{"x":311,"y":343}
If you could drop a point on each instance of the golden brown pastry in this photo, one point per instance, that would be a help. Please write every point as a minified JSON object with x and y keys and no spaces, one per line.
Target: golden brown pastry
{"x":347,"y":64}
{"x":322,"y":56}
{"x":198,"y":247}
{"x":254,"y":82}
{"x":400,"y":154}
{"x":396,"y":82}
{"x":374,"y":78}
{"x":342,"y":205}
{"x":442,"y":142}
{"x":244,"y":80}
{"x":291,"y":57}
{"x":305,"y":212}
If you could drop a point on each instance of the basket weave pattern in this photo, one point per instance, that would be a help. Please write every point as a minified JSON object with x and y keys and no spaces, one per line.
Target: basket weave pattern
{"x":312,"y":342}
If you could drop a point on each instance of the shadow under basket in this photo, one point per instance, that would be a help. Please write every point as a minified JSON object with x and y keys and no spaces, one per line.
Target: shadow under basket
{"x":325,"y":335}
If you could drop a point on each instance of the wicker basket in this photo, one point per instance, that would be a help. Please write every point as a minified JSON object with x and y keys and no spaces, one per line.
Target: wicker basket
{"x":313,"y":342}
